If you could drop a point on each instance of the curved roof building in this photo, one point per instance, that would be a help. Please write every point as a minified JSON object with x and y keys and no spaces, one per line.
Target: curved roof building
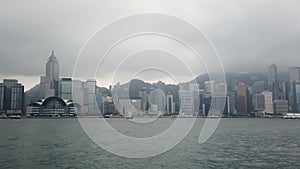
{"x":51,"y":106}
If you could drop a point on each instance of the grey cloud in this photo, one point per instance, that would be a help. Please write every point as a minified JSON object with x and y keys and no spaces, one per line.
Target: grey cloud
{"x":249,"y":35}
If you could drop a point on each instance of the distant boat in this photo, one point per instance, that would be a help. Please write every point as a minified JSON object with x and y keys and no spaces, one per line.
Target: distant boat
{"x":291,"y":116}
{"x":128,"y":116}
{"x":14,"y":117}
{"x":107,"y":115}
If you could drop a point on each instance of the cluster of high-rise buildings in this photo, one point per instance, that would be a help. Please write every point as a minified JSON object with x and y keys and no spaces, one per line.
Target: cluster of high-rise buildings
{"x":271,"y":97}
{"x":54,"y":96}
{"x":65,"y":96}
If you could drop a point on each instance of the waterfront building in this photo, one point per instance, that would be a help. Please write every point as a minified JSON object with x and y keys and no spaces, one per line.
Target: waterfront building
{"x":144,"y":99}
{"x":2,"y":101}
{"x":170,"y":104}
{"x":52,"y":106}
{"x":209,"y":87}
{"x":232,"y":102}
{"x":108,"y":106}
{"x":297,"y":97}
{"x":189,"y":98}
{"x":268,"y":102}
{"x":242,"y":106}
{"x":158,"y":98}
{"x":294,"y":76}
{"x":65,"y":88}
{"x":90,"y":97}
{"x":281,"y":106}
{"x":259,"y":102}
{"x":11,"y":97}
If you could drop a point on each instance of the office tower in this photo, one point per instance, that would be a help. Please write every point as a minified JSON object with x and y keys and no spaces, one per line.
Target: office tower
{"x":282,"y":91}
{"x":157,"y":98}
{"x":49,"y":83}
{"x":144,"y":99}
{"x":65,"y":89}
{"x":209,"y":87}
{"x":137,"y":105}
{"x":11,"y":97}
{"x":259,"y":102}
{"x":2,"y":102}
{"x":294,"y":77}
{"x":232,"y":103}
{"x":170,"y":104}
{"x":297,"y":97}
{"x":108,"y":106}
{"x":281,"y":106}
{"x":272,"y":75}
{"x":189,"y":100}
{"x":206,"y":105}
{"x":52,"y":70}
{"x":90,"y":96}
{"x":220,"y":88}
{"x":219,"y":105}
{"x":242,"y":99}
{"x":268,"y":102}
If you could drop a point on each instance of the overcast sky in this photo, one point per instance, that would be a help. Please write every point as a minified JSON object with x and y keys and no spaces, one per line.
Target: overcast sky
{"x":249,"y":35}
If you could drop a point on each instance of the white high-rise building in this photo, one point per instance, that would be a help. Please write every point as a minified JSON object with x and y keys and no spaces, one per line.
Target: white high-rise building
{"x":268,"y":101}
{"x":90,"y":96}
{"x":189,"y":100}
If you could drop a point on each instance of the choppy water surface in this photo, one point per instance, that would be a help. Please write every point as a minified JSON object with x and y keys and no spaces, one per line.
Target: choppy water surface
{"x":237,"y":143}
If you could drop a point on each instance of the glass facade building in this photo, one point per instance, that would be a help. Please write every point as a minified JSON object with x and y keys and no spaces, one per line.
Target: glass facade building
{"x":2,"y":94}
{"x":11,"y":97}
{"x":297,"y":96}
{"x":65,"y":89}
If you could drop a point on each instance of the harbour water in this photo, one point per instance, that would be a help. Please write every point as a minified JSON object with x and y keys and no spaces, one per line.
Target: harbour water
{"x":237,"y":143}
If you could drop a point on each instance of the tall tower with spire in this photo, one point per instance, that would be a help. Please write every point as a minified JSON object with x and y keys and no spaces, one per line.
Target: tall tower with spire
{"x":52,"y":70}
{"x":49,"y":83}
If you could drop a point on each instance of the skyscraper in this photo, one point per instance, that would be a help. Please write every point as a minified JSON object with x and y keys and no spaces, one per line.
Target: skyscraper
{"x":268,"y":102}
{"x":272,"y":75}
{"x":52,"y":69}
{"x":65,"y":89}
{"x":2,"y":102}
{"x":170,"y":104}
{"x":11,"y":97}
{"x":297,"y":97}
{"x":144,"y":99}
{"x":90,"y":96}
{"x":49,"y":83}
{"x":242,"y":99}
{"x":259,"y":102}
{"x":189,"y":100}
{"x":294,"y":77}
